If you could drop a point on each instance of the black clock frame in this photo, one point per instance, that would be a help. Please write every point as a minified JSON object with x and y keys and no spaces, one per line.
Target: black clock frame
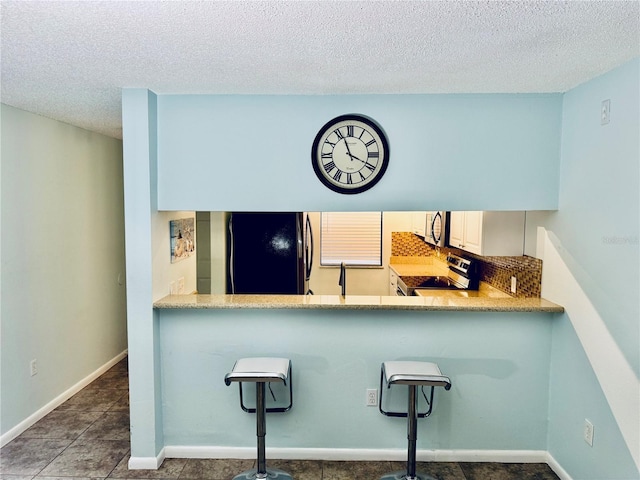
{"x":316,"y":162}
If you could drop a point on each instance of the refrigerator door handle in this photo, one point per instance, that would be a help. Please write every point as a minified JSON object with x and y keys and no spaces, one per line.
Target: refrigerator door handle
{"x":233,"y":287}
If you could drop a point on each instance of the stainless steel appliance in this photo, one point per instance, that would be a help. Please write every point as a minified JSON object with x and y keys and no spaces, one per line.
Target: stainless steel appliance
{"x":435,"y":228}
{"x":462,"y":275}
{"x":269,"y":253}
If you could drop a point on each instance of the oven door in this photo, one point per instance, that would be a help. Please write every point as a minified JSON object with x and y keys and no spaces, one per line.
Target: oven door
{"x":428,"y":292}
{"x":401,"y":289}
{"x":440,"y":283}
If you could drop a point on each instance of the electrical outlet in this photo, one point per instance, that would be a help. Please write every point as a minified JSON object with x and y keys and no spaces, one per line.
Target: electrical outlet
{"x":605,"y":112}
{"x":588,"y":432}
{"x":514,"y":282}
{"x":33,"y":366}
{"x":372,"y":397}
{"x":172,"y":288}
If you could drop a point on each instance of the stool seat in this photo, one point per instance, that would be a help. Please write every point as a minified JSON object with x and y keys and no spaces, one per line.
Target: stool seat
{"x":415,"y":373}
{"x":259,"y":369}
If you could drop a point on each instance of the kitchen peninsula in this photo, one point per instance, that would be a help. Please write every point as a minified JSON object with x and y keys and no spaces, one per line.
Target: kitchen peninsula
{"x":492,"y":349}
{"x":452,"y":301}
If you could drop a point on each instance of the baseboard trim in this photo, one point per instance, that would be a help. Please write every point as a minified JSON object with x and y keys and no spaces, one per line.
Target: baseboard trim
{"x":557,"y":468}
{"x":59,"y":400}
{"x":149,"y":463}
{"x":355,"y":454}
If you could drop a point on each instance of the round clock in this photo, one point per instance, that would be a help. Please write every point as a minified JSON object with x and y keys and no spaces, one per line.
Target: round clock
{"x":350,"y":154}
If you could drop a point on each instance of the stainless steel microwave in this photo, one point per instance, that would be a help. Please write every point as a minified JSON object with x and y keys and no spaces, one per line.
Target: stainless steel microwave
{"x":435,"y":228}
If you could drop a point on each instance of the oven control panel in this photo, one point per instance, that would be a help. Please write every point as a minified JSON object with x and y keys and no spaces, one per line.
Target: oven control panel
{"x":459,"y":263}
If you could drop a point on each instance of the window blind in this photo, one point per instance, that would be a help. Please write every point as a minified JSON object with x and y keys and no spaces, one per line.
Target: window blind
{"x":354,"y":238}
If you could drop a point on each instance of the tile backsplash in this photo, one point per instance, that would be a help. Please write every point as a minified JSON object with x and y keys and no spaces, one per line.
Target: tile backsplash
{"x":496,"y":271}
{"x":407,"y":244}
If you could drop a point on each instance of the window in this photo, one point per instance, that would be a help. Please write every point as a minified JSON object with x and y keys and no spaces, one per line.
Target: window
{"x":354,"y":238}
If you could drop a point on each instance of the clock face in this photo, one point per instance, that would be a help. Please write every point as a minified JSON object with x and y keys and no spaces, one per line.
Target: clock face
{"x":350,"y":154}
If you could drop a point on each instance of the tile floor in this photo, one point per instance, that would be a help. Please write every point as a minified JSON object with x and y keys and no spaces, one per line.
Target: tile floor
{"x":88,"y":438}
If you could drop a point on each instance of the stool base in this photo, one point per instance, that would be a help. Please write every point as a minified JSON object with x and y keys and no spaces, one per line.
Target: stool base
{"x":402,"y":475}
{"x":272,"y":474}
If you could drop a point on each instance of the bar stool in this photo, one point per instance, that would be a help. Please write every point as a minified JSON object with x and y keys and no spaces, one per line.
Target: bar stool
{"x":413,"y":374}
{"x":262,"y":370}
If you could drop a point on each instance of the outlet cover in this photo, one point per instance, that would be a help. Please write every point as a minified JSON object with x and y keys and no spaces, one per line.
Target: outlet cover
{"x":372,"y":397}
{"x":588,"y":432}
{"x":605,"y":112}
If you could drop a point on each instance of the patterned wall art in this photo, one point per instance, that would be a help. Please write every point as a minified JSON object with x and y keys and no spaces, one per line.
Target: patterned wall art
{"x":183,"y":238}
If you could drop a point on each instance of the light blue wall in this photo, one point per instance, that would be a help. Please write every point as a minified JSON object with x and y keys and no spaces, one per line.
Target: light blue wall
{"x":575,"y":394}
{"x":597,"y":223}
{"x":498,"y":364}
{"x":63,"y":294}
{"x":225,"y":153}
{"x":599,"y":213}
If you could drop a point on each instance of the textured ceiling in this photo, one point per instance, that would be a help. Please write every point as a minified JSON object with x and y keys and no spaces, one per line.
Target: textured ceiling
{"x":69,"y":60}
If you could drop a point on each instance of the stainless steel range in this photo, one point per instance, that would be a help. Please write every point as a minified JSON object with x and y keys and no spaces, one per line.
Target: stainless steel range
{"x":462,"y":275}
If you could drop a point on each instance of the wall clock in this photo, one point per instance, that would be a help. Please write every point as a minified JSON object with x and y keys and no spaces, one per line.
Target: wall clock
{"x":350,"y":154}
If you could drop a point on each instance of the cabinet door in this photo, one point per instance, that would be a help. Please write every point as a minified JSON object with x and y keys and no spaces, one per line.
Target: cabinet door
{"x":473,"y":232}
{"x":393,"y":283}
{"x":456,"y":229}
{"x":488,"y":233}
{"x":418,"y":222}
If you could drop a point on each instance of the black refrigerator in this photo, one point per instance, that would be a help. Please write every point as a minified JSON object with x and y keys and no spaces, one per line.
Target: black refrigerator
{"x":269,"y":253}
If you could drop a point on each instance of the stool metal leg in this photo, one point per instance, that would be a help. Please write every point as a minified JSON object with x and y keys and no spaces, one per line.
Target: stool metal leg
{"x":412,"y":433}
{"x":412,"y":436}
{"x":261,"y":430}
{"x":261,"y":472}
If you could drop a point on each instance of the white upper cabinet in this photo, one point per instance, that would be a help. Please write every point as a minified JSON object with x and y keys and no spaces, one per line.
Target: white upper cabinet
{"x":418,"y":223}
{"x":456,"y":229}
{"x":488,"y":233}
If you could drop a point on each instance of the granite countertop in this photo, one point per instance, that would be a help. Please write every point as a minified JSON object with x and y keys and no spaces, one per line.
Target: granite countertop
{"x":418,"y":266}
{"x":437,"y":301}
{"x":484,"y":291}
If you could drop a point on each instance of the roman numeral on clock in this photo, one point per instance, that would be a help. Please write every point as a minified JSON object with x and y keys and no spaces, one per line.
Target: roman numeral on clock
{"x":329,"y":166}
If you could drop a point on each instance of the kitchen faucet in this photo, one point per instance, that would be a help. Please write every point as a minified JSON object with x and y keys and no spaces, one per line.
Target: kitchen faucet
{"x":343,"y":278}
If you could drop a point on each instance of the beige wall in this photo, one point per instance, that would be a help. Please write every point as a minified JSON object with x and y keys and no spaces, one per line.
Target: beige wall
{"x":360,"y":281}
{"x":63,"y":265}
